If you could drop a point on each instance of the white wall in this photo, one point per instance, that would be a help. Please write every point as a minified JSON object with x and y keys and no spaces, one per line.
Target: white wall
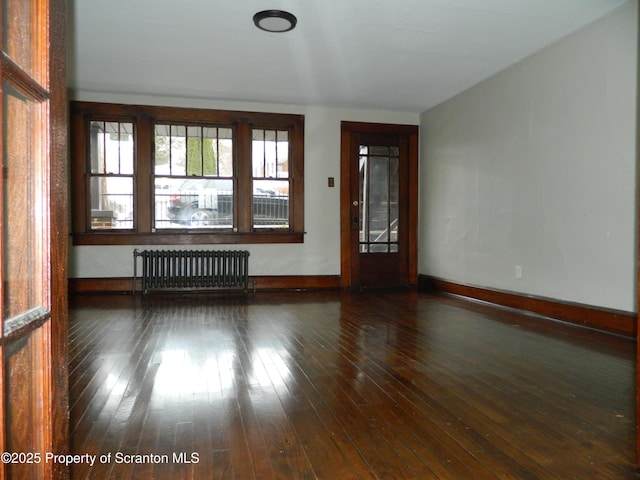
{"x":320,"y":252}
{"x":536,"y":167}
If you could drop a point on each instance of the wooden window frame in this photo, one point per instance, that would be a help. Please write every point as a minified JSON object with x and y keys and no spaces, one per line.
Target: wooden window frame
{"x":144,"y":119}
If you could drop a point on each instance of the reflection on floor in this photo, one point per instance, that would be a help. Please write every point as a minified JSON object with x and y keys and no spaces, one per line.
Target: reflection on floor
{"x":337,"y":385}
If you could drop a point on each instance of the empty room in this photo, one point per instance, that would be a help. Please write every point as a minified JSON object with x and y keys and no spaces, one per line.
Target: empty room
{"x":319,"y":239}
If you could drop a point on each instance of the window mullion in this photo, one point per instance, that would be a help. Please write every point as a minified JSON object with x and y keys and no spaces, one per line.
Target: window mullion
{"x":243,"y":174}
{"x":296,"y":177}
{"x":143,"y":175}
{"x":203,"y":172}
{"x":217,"y":161}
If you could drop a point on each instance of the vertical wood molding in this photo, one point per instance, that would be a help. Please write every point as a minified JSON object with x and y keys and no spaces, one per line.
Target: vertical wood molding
{"x":638,"y":241}
{"x":345,"y":217}
{"x":58,"y":178}
{"x":414,"y":200}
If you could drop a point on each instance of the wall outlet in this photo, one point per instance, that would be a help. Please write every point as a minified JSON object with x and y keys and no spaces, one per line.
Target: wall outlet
{"x":518,"y":271}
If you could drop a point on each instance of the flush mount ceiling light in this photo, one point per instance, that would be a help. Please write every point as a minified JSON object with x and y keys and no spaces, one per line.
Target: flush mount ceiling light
{"x":277,"y":21}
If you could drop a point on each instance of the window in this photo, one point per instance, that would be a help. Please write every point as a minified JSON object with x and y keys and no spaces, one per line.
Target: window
{"x":111,"y":175}
{"x":270,"y":162}
{"x":160,"y":175}
{"x":193,"y":177}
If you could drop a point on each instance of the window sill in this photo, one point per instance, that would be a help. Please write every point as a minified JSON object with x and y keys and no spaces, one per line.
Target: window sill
{"x":199,"y":238}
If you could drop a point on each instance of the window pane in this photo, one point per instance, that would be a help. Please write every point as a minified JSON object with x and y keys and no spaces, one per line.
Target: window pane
{"x":111,"y":202}
{"x":381,"y":150}
{"x":270,"y":160}
{"x":208,"y":146}
{"x":22,"y":216}
{"x":178,"y":150}
{"x":111,"y":148}
{"x":195,"y":203}
{"x":19,"y":37}
{"x":97,"y":157}
{"x":162,"y":148}
{"x":203,"y":197}
{"x":225,"y":152}
{"x":195,"y":151}
{"x":171,"y":150}
{"x":270,"y":153}
{"x":270,"y":204}
{"x":204,"y":152}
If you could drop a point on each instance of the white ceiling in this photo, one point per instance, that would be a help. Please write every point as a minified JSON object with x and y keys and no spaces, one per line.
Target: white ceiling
{"x":405,"y":55}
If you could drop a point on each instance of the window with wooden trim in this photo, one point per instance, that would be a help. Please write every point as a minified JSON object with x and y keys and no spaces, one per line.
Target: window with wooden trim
{"x":110,"y":175}
{"x":193,"y":177}
{"x":270,"y":164}
{"x":162,"y":175}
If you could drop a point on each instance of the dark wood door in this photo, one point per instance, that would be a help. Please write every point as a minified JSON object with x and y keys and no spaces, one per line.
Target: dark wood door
{"x":379,"y":205}
{"x":33,"y":375}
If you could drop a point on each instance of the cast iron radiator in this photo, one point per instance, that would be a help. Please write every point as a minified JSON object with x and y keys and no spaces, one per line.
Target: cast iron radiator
{"x":192,"y":269}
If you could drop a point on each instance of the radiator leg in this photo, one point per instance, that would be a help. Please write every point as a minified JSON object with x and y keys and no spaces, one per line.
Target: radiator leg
{"x":135,"y":271}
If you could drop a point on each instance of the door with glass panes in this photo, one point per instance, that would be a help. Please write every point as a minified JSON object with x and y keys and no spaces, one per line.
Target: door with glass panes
{"x":378,"y":205}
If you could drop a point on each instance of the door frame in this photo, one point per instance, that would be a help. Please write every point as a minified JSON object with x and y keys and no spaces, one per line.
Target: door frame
{"x":347,"y":130}
{"x":59,"y":233}
{"x":637,"y":254}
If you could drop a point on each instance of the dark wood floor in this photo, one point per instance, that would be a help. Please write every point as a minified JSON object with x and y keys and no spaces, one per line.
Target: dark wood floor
{"x":335,"y":385}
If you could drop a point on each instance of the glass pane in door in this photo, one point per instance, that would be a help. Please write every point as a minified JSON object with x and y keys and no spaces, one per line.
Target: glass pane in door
{"x":20,"y":39}
{"x":378,"y":199}
{"x":24,"y":215}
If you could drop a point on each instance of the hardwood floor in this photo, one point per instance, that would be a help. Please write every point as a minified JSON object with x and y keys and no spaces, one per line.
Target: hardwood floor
{"x":335,"y":385}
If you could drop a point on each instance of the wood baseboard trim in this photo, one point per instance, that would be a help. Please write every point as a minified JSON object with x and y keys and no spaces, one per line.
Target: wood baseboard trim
{"x":121,"y":285}
{"x":615,"y":321}
{"x":296,"y":282}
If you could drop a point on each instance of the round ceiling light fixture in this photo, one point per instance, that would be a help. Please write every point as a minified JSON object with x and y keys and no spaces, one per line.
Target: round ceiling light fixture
{"x":276,"y":21}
